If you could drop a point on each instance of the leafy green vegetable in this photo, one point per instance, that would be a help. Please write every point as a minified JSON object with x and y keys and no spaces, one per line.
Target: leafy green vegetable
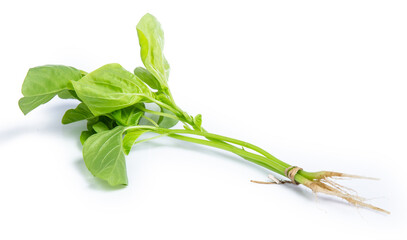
{"x":27,"y":104}
{"x":112,"y":101}
{"x":97,"y":124}
{"x":110,"y":88}
{"x":90,"y":131}
{"x":151,"y":40}
{"x":167,"y":122}
{"x":42,"y":83}
{"x":81,"y":112}
{"x":85,"y":135}
{"x":104,"y":157}
{"x":147,"y":77}
{"x":67,"y":94}
{"x":48,"y":79}
{"x":198,"y":120}
{"x":109,"y":122}
{"x":100,"y":127}
{"x":91,"y":122}
{"x":128,"y":116}
{"x":131,"y":136}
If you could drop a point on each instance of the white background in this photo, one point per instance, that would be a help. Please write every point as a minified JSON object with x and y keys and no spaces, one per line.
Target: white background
{"x":320,"y":84}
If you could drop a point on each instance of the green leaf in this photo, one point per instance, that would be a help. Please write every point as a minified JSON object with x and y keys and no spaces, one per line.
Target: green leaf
{"x":85,"y":135}
{"x":81,"y":112}
{"x":130,"y":137}
{"x":198,"y":120}
{"x":27,"y":104}
{"x":129,"y":116}
{"x":67,"y":94}
{"x":91,"y":122}
{"x":48,"y":79}
{"x":105,"y":120}
{"x":42,"y":83}
{"x":104,"y":157}
{"x":110,"y":123}
{"x":147,"y":77}
{"x":110,"y":88}
{"x":100,"y":127}
{"x":97,"y":124}
{"x":151,"y":40}
{"x":166,"y":122}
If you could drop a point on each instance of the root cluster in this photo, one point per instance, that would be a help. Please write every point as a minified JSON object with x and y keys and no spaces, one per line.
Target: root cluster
{"x":327,"y":185}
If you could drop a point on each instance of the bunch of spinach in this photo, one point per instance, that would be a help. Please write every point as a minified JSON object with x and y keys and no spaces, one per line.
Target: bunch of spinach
{"x":113,"y":101}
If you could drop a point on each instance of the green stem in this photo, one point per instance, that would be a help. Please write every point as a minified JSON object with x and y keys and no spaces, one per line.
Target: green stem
{"x":212,"y":136}
{"x":182,"y":116}
{"x":151,"y":138}
{"x":260,"y":160}
{"x":203,"y":132}
{"x":200,"y":131}
{"x":159,"y":103}
{"x":221,"y":142}
{"x":265,"y":162}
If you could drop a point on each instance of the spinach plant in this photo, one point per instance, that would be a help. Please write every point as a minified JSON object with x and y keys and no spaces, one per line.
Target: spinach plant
{"x":113,"y":101}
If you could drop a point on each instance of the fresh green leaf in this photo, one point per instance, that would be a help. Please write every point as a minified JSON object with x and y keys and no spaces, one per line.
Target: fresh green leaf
{"x":104,"y":157}
{"x":27,"y":104}
{"x":106,"y":121}
{"x":97,"y":124}
{"x":128,"y":116}
{"x":109,"y":122}
{"x":100,"y":127}
{"x":130,"y":137}
{"x":42,"y":83}
{"x":151,"y":40}
{"x":48,"y":79}
{"x":91,"y":122}
{"x":147,"y":77}
{"x":198,"y":120}
{"x":162,"y":97}
{"x":110,"y":88}
{"x":67,"y":94}
{"x":81,"y":112}
{"x":166,"y":122}
{"x":85,"y":135}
